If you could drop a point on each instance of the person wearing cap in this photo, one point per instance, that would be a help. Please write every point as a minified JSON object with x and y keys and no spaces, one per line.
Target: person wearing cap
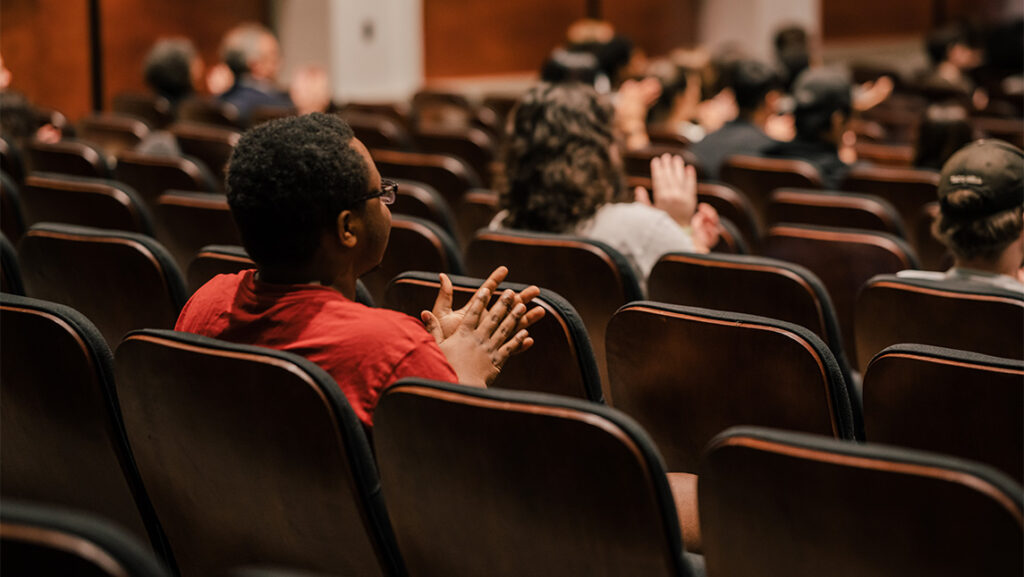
{"x":981,"y":215}
{"x":824,"y":100}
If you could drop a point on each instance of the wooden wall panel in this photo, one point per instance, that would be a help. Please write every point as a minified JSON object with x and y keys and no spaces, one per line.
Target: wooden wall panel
{"x":45,"y":44}
{"x":656,"y":26}
{"x":493,"y":37}
{"x":851,"y":19}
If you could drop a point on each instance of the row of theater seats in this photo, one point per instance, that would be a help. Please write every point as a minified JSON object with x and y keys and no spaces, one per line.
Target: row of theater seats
{"x":226,"y":455}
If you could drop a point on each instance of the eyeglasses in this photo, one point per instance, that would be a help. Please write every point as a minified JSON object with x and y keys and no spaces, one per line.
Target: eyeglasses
{"x":387,"y":193}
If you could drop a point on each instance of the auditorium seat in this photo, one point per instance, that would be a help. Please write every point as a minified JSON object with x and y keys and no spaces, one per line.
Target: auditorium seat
{"x":45,"y":540}
{"x":956,"y":314}
{"x":396,"y":111}
{"x":730,"y":240}
{"x":757,"y":177}
{"x":844,"y":259}
{"x":752,"y":285}
{"x":212,"y":145}
{"x":12,"y":161}
{"x":1008,"y":129}
{"x":62,"y":438}
{"x":68,"y":156}
{"x":948,"y":401}
{"x":118,"y":280}
{"x":12,"y":216}
{"x":897,"y":155}
{"x":562,"y":360}
{"x":933,"y":254}
{"x":638,"y":162}
{"x":509,"y":483}
{"x":475,"y":211}
{"x":420,"y":200}
{"x":686,"y":373}
{"x":782,"y":503}
{"x":188,"y":221}
{"x":212,"y":260}
{"x":472,"y":145}
{"x":595,"y":278}
{"x":377,"y":131}
{"x":207,"y":110}
{"x":153,"y":110}
{"x":10,"y":270}
{"x":831,"y":208}
{"x":95,"y":202}
{"x":414,"y":244}
{"x":908,"y":189}
{"x":448,"y":175}
{"x":733,"y":205}
{"x":251,"y":456}
{"x":151,"y":175}
{"x":112,"y":132}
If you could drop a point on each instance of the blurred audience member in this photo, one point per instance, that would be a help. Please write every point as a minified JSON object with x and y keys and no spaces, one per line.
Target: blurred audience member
{"x":20,"y":121}
{"x":824,"y":101}
{"x":793,"y":53}
{"x":944,"y":129}
{"x":173,"y":69}
{"x":563,"y":174}
{"x":755,"y":88}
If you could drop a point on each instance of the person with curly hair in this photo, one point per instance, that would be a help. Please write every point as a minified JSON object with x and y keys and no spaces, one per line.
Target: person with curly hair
{"x":564,"y":174}
{"x":981,"y":215}
{"x":312,"y":212}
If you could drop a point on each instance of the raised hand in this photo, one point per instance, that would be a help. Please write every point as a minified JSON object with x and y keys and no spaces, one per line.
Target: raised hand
{"x":675,"y":187}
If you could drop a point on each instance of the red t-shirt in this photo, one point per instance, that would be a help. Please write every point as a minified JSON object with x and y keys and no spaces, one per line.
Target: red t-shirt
{"x":365,"y":349}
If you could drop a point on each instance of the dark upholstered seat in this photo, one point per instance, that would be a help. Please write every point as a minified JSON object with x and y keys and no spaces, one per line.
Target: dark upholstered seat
{"x":476,"y":210}
{"x":10,"y":271}
{"x":908,"y":189}
{"x":12,"y":213}
{"x":96,"y":202}
{"x":420,"y":200}
{"x":562,"y":360}
{"x":414,"y":244}
{"x":757,"y":177}
{"x":686,"y":373}
{"x":251,"y":457}
{"x":947,"y":401}
{"x":396,"y":111}
{"x":188,"y":221}
{"x":840,"y":209}
{"x":112,"y":132}
{"x":933,"y":254}
{"x":448,"y":175}
{"x":843,"y":258}
{"x":733,"y":205}
{"x":508,"y":483}
{"x":378,"y":131}
{"x":945,"y":313}
{"x":781,"y":503}
{"x":44,"y":540}
{"x":154,"y":110}
{"x":212,"y":145}
{"x":752,"y":285}
{"x":595,"y":278}
{"x":119,"y":280}
{"x":471,"y":145}
{"x":638,"y":162}
{"x":152,"y":175}
{"x":209,"y":111}
{"x":68,"y":156}
{"x":62,"y":438}
{"x":11,"y":161}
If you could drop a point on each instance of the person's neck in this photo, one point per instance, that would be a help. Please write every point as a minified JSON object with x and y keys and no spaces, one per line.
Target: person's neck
{"x":1007,"y":264}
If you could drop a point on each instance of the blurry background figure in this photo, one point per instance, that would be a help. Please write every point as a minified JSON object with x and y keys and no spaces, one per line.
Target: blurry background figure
{"x":173,"y":70}
{"x":792,"y":53}
{"x":944,"y":130}
{"x":20,"y":121}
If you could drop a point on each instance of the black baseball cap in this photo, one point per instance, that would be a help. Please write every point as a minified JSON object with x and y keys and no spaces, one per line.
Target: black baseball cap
{"x":993,"y":169}
{"x":822,"y":90}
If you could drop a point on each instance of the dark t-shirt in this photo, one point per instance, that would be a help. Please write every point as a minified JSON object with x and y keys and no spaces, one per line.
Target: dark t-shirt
{"x":736,"y":137}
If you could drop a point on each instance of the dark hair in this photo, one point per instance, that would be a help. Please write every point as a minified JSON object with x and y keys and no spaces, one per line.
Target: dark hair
{"x":288,"y":180}
{"x":565,"y":66}
{"x":168,"y":68}
{"x":751,"y":81}
{"x":559,"y":167}
{"x":939,"y":41}
{"x":819,"y":93}
{"x":792,"y":52}
{"x":980,"y":238}
{"x":18,"y":118}
{"x":944,"y":130}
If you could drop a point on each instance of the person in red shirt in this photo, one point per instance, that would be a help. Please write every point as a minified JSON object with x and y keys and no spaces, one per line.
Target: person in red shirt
{"x":312,"y":212}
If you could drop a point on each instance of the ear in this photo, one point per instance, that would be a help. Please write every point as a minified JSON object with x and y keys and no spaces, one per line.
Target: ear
{"x":348,"y":228}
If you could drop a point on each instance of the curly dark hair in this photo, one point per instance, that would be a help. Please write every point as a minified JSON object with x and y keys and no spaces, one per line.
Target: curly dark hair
{"x":288,"y":180}
{"x":559,"y":163}
{"x":168,"y":68}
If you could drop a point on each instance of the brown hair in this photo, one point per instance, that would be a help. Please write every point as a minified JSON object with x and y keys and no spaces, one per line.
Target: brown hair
{"x":978,"y":238}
